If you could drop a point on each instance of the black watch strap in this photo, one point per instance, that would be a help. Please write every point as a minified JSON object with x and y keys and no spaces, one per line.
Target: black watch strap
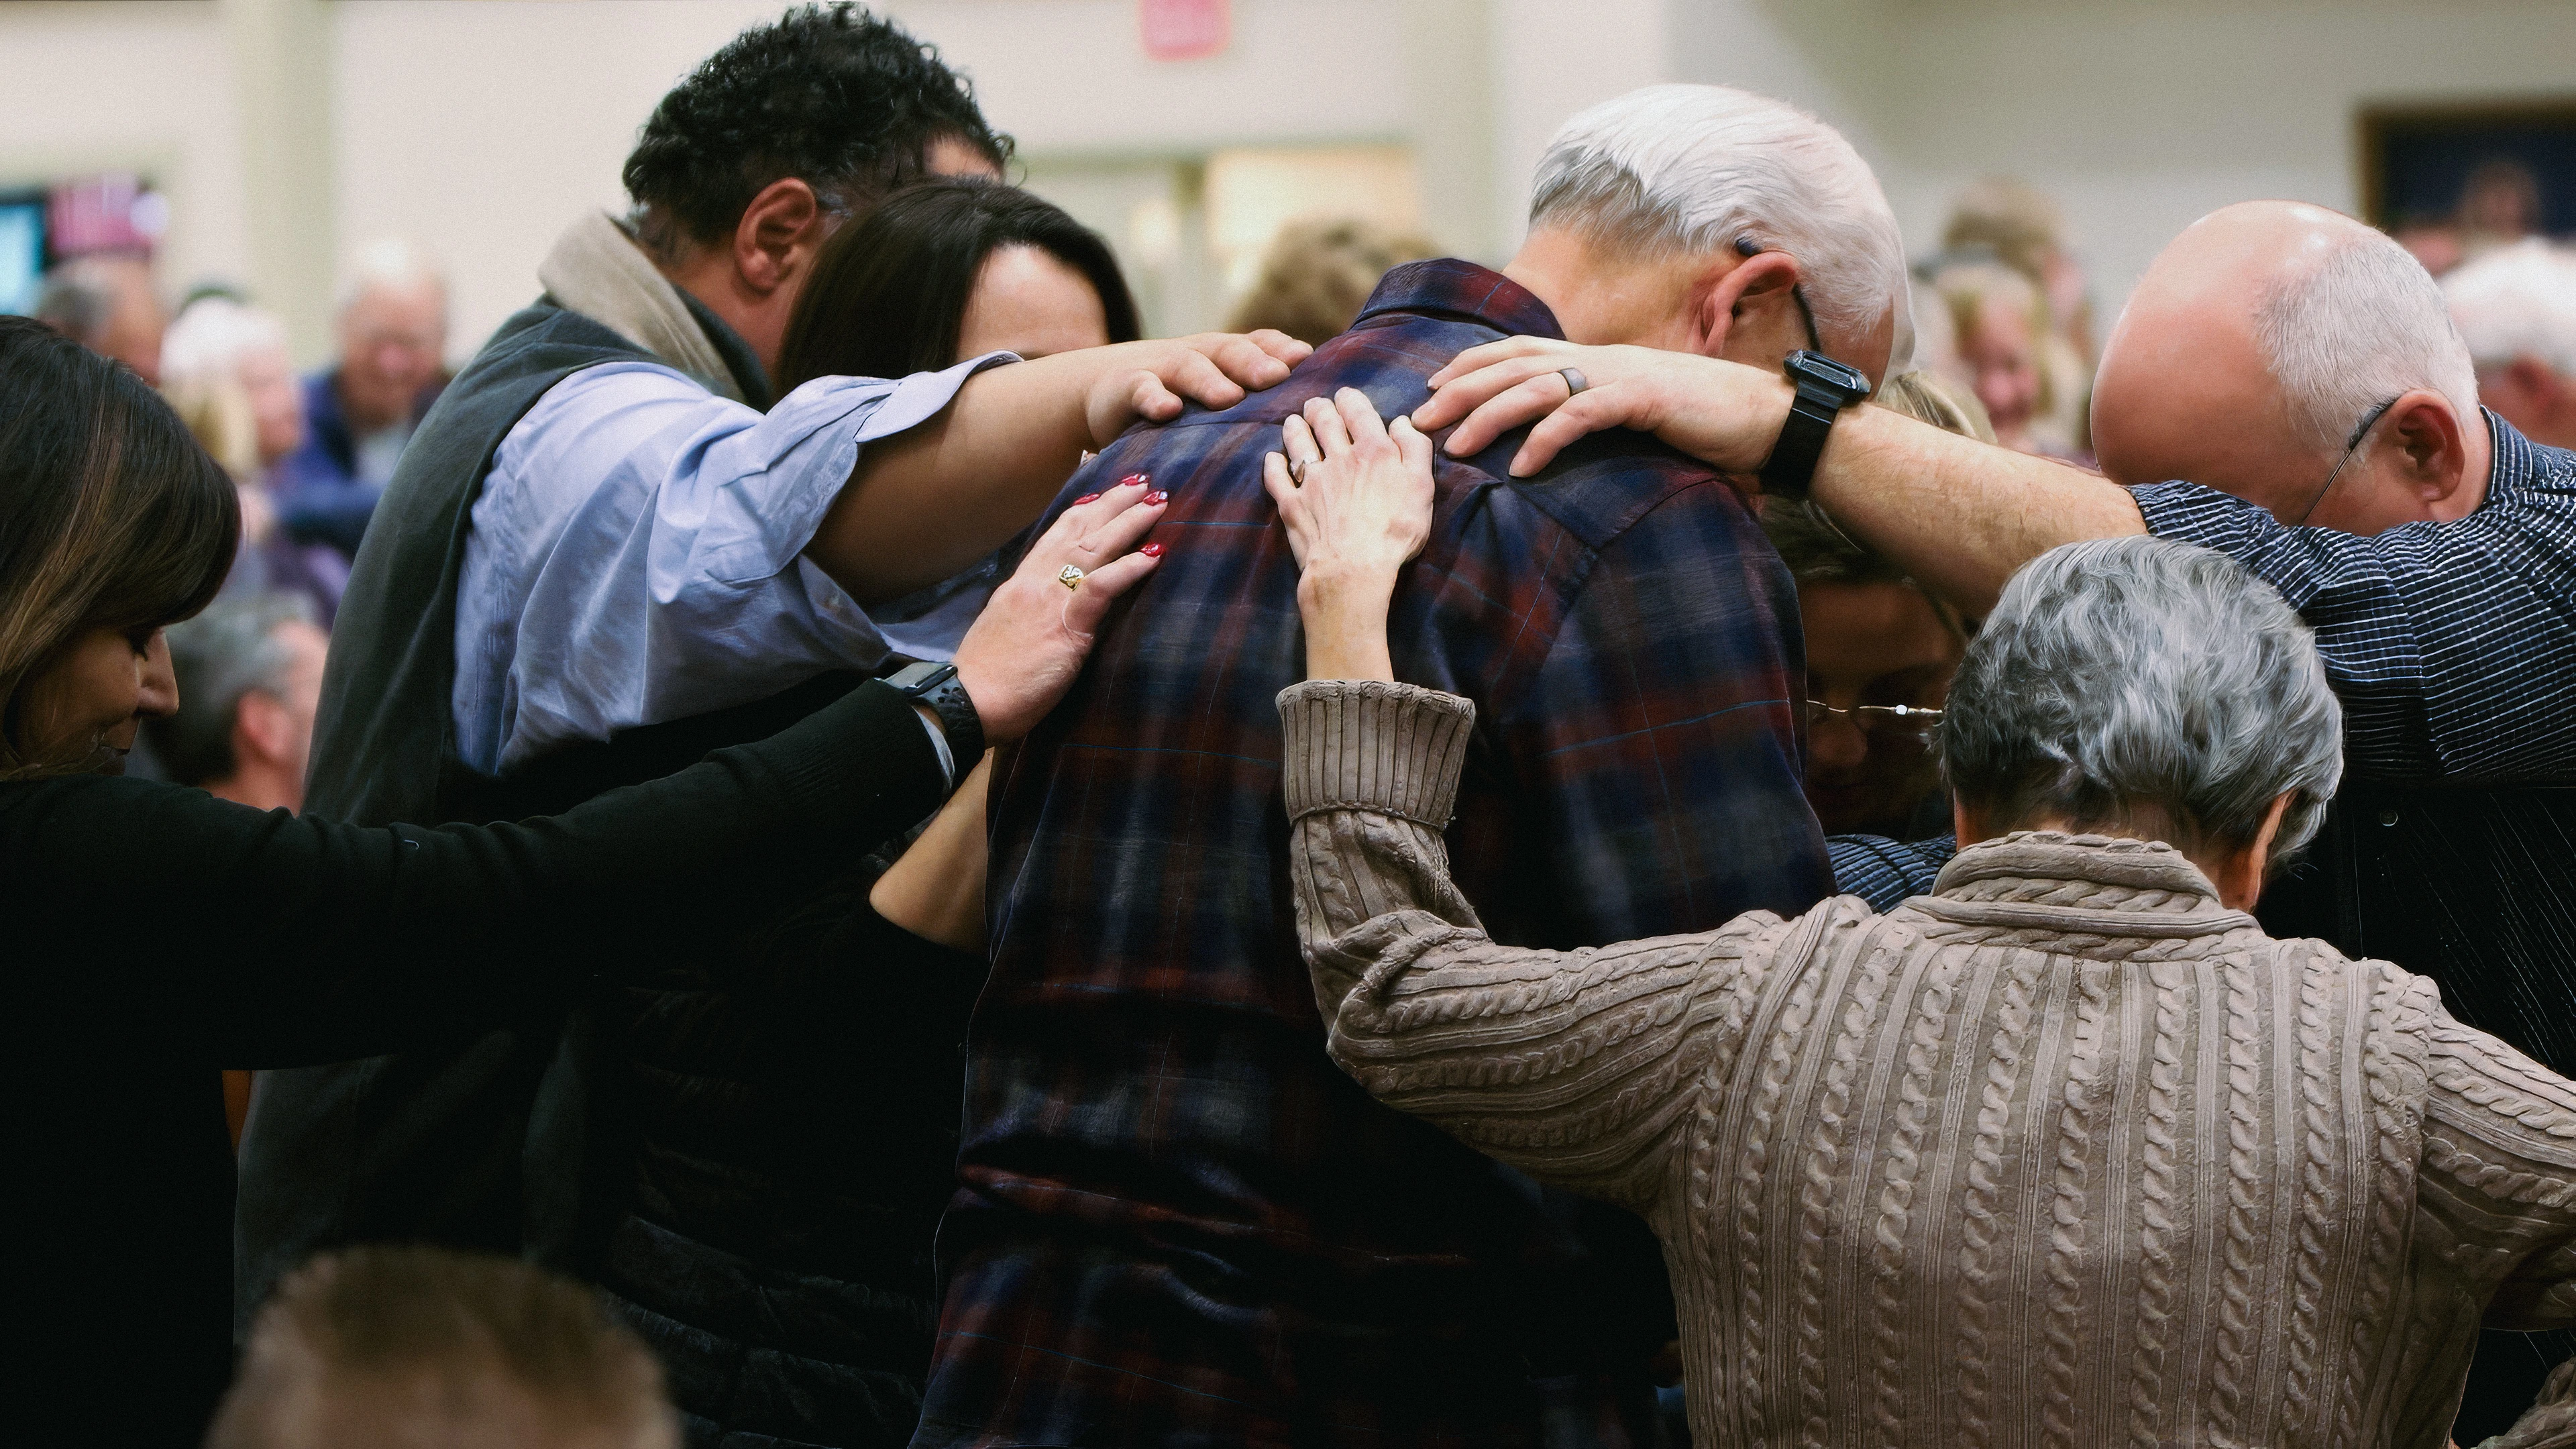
{"x":1825,"y":388}
{"x":937,"y":688}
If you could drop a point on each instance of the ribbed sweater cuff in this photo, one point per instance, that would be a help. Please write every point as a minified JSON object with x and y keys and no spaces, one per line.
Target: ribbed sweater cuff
{"x":1364,"y":744}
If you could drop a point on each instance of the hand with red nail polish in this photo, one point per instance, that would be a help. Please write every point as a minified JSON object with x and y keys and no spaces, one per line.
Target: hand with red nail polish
{"x":1085,"y":498}
{"x":1157,"y":498}
{"x":1031,"y":639}
{"x":1134,"y":480}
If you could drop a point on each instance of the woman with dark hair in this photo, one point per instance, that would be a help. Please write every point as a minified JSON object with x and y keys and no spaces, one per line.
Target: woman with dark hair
{"x":158,"y":934}
{"x":951,"y":269}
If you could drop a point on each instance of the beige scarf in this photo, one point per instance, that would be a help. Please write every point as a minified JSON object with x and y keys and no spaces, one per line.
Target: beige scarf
{"x":596,"y":269}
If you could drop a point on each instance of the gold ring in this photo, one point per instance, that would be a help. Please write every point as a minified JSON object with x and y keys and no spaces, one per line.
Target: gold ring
{"x":1069,"y":576}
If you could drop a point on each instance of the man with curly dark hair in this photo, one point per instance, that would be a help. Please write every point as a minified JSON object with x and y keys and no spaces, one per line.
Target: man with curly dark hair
{"x":606,"y":551}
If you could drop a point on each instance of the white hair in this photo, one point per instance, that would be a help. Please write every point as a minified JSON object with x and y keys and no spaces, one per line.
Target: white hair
{"x":391,"y":263}
{"x":2122,"y":679}
{"x":2517,"y":301}
{"x":1689,"y":169}
{"x":2361,"y":326}
{"x":211,"y":337}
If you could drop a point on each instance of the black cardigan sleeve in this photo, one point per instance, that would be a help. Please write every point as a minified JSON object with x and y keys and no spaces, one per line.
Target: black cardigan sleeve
{"x":152,"y":914}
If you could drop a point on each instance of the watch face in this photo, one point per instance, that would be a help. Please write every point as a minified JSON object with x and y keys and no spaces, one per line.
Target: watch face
{"x":1817,"y":367}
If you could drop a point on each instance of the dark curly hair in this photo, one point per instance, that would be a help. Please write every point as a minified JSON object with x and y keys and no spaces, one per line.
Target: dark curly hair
{"x":830,"y":94}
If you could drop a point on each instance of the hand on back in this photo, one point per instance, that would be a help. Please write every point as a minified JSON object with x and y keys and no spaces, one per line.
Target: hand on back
{"x":1356,"y":497}
{"x":1725,"y":414}
{"x":1029,"y":643}
{"x":1152,"y":380}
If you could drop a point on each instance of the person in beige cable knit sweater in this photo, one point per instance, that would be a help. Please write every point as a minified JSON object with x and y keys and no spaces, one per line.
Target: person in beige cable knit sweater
{"x":2066,"y":1153}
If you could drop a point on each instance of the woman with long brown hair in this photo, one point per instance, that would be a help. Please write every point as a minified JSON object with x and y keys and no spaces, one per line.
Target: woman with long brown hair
{"x":155,"y":934}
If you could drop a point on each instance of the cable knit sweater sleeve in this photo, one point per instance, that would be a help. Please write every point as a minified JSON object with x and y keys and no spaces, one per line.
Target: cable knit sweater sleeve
{"x":2498,"y":1183}
{"x":1574,"y":1066}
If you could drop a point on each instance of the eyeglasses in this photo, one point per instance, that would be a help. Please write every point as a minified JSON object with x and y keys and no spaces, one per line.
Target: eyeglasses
{"x":2351,"y":446}
{"x":1746,"y":246}
{"x":1911,"y":723}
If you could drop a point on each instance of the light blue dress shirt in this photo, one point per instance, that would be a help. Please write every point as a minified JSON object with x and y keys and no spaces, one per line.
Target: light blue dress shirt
{"x":637,"y":555}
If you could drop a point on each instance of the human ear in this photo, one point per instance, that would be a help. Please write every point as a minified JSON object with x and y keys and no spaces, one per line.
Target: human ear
{"x":1744,"y":300}
{"x":260,"y":728}
{"x":2432,"y":446}
{"x":2239,"y":877}
{"x":779,"y":230}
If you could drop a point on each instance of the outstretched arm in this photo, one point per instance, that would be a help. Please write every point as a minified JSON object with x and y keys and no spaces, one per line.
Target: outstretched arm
{"x":1958,"y":515}
{"x":1572,"y":1065}
{"x":926,"y":504}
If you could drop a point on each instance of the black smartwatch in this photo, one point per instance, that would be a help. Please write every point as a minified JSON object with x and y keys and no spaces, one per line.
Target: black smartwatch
{"x":1825,"y":388}
{"x":936,"y":687}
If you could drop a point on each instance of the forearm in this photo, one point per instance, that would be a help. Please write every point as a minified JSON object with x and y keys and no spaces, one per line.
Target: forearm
{"x":1526,"y":1054}
{"x":936,"y":891}
{"x":1958,"y":515}
{"x":927,"y":503}
{"x":1344,"y":612}
{"x":343,"y":941}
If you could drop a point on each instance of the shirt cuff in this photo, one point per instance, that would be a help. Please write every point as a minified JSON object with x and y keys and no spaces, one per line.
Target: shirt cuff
{"x":1366,"y":744}
{"x":938,"y":741}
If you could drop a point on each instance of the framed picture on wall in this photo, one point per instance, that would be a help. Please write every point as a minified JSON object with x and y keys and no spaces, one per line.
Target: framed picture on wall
{"x":2451,"y":180}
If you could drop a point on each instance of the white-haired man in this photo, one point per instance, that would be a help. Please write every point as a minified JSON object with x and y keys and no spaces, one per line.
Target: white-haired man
{"x":2516,"y":309}
{"x":2302,"y":371}
{"x":361,"y":410}
{"x":1179,"y":1224}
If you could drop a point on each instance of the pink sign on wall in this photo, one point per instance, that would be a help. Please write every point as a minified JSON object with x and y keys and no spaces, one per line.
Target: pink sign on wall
{"x":1184,"y":29}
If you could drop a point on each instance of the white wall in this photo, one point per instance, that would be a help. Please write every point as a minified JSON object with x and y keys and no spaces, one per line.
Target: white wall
{"x":140,"y":86}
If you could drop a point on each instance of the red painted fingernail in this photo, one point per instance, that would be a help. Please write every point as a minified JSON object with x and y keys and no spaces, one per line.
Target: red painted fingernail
{"x":1085,"y":498}
{"x":1152,"y":550}
{"x":1133,"y":480}
{"x":1157,"y":498}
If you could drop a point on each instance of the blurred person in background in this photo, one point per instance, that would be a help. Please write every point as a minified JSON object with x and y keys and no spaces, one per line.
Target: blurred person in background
{"x":110,"y":305}
{"x":2499,"y":206}
{"x":2516,"y":309}
{"x":249,"y":670}
{"x":197,"y":934}
{"x":425,"y":1348}
{"x":361,"y":410}
{"x":225,"y":368}
{"x":702,"y":1140}
{"x":1317,"y":274}
{"x":1880,"y":653}
{"x":1999,"y":331}
{"x":2023,"y":228}
{"x":1178,"y":1225}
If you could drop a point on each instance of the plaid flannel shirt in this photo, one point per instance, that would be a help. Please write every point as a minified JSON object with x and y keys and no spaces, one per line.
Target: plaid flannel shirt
{"x":1178,"y":1222}
{"x":2451,"y":645}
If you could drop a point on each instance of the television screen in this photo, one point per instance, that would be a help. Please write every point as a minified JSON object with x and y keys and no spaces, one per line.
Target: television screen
{"x":22,"y":251}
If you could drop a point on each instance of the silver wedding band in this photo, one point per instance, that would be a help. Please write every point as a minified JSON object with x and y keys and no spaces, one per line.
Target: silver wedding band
{"x":1574,"y":382}
{"x":1297,"y":469}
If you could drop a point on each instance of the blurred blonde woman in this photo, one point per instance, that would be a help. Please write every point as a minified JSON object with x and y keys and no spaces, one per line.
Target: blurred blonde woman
{"x":1319,"y":271}
{"x":2002,"y":341}
{"x":226,"y":372}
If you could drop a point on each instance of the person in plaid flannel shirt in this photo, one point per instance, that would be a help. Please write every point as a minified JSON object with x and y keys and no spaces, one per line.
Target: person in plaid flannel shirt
{"x":1178,"y":1223}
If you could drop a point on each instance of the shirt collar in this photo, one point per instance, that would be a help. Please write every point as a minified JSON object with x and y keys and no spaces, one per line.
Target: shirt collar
{"x":1463,"y":289}
{"x":739,"y":359}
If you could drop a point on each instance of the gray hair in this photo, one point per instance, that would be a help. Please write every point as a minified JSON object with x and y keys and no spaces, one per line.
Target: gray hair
{"x":391,"y":263}
{"x":2361,"y":326}
{"x":79,"y":297}
{"x":2144,"y":683}
{"x":1691,"y":169}
{"x":230,"y":650}
{"x":2517,"y":301}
